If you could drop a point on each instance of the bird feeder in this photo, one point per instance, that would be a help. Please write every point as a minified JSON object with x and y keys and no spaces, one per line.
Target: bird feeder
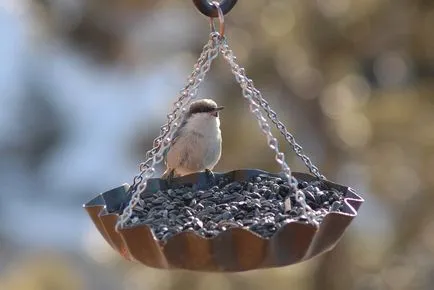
{"x":242,"y":220}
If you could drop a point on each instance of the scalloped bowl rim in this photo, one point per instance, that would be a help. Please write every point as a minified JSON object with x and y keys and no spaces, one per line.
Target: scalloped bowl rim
{"x":356,"y":198}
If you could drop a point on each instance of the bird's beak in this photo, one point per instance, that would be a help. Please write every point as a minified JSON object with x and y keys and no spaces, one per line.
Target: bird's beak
{"x":216,"y":111}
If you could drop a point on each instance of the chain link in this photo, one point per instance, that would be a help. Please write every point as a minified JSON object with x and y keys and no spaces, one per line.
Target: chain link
{"x":163,"y":141}
{"x":285,"y":133}
{"x":257,"y":96}
{"x":256,"y":101}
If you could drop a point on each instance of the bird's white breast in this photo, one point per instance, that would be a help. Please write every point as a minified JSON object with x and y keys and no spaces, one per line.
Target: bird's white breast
{"x":198,"y":145}
{"x":208,"y":126}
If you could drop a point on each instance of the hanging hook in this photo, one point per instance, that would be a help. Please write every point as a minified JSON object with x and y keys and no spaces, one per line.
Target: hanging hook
{"x":208,"y":9}
{"x":221,"y":20}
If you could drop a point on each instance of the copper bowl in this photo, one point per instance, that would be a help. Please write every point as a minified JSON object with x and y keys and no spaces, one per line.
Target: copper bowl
{"x":234,"y":250}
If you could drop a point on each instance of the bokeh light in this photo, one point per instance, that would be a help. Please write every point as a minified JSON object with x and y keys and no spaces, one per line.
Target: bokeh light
{"x":85,"y":86}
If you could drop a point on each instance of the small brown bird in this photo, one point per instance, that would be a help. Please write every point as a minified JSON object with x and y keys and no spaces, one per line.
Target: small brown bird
{"x":197,"y":144}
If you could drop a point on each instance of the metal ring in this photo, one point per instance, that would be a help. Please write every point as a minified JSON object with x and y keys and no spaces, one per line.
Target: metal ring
{"x":208,"y":9}
{"x":221,"y":19}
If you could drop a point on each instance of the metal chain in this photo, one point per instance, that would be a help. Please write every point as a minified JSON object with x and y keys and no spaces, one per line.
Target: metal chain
{"x":282,"y":129}
{"x":251,"y":94}
{"x":257,"y":96}
{"x":163,"y":141}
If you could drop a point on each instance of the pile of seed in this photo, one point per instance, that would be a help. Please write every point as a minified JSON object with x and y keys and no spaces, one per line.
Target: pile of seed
{"x":262,"y":204}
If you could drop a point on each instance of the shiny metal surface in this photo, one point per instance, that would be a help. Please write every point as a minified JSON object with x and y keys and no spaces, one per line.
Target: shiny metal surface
{"x":234,"y":250}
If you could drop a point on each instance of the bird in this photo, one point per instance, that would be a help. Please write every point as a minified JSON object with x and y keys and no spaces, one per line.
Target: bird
{"x":197,"y":144}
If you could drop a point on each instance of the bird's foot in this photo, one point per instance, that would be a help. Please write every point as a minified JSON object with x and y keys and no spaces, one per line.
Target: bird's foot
{"x":170,"y":177}
{"x":210,"y":176}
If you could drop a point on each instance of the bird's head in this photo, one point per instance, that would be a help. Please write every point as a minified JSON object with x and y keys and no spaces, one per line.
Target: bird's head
{"x":204,"y":107}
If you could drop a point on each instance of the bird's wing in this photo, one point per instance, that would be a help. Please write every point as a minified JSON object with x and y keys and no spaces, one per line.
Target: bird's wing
{"x":177,"y":132}
{"x":174,"y":139}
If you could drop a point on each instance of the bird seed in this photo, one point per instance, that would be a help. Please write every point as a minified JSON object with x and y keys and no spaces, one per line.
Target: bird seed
{"x":262,"y":204}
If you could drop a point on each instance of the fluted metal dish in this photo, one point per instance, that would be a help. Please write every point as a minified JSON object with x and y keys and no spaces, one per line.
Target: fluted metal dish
{"x":233,"y":250}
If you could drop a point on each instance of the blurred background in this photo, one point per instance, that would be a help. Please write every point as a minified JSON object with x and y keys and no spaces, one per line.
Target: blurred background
{"x":86,"y":84}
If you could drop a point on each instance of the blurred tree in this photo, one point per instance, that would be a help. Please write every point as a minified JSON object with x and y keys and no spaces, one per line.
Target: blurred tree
{"x":353,"y":80}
